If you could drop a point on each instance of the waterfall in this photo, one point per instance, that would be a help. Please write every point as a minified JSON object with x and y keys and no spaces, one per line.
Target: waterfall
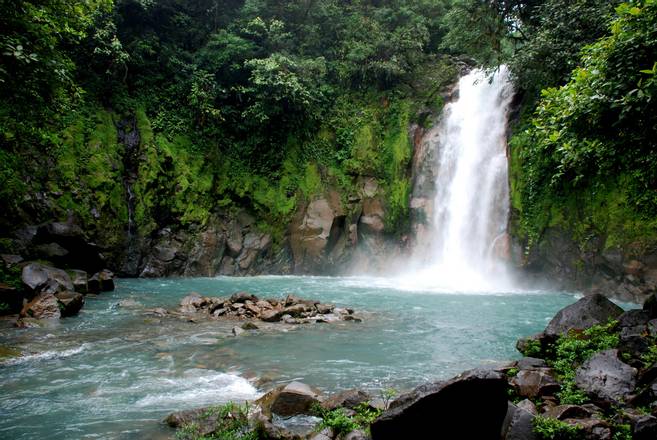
{"x":466,"y":231}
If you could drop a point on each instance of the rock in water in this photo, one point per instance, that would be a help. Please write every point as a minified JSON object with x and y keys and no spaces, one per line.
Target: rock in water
{"x":102,"y":281}
{"x":79,"y":279}
{"x":605,"y":377}
{"x":588,"y":311}
{"x":43,"y":306}
{"x":290,"y":400}
{"x":473,"y":404}
{"x":70,"y":303}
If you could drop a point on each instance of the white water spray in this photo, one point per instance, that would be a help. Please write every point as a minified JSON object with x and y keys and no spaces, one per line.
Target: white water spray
{"x":467,"y":237}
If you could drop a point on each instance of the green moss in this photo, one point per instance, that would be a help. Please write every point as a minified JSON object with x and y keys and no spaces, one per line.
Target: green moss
{"x":312,"y":181}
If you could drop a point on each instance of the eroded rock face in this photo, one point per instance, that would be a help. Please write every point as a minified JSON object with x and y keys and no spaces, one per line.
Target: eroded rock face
{"x":606,"y":377}
{"x":313,"y":228}
{"x":588,"y":311}
{"x":43,"y":306}
{"x":473,"y":404}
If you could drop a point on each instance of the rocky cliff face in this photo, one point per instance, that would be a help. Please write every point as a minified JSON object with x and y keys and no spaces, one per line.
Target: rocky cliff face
{"x":629,"y":274}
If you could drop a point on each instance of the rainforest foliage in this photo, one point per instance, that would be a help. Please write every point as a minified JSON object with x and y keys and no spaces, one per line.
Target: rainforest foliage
{"x":259,"y":104}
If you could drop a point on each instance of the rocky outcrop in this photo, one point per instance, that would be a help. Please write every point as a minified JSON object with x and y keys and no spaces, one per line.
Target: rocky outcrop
{"x":588,"y":311}
{"x":222,"y":247}
{"x":474,"y":404}
{"x":628,"y":274}
{"x":245,"y":306}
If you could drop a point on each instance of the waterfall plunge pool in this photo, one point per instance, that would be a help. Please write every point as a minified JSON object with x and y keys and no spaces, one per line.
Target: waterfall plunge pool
{"x":113,"y":373}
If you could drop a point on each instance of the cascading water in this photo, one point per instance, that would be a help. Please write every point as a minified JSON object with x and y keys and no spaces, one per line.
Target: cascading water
{"x":467,"y":228}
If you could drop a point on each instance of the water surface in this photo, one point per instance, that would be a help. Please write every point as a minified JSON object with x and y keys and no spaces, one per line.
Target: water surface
{"x":114,"y":373}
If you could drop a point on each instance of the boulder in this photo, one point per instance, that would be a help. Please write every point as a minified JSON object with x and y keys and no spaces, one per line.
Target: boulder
{"x":79,"y":279}
{"x":447,"y":407}
{"x":346,"y":399}
{"x":535,"y":382}
{"x":271,"y":315}
{"x":355,"y":435}
{"x":588,"y":311}
{"x":530,"y":362}
{"x":70,"y":303}
{"x":324,"y":434}
{"x":236,"y":331}
{"x":191,"y":303}
{"x":605,"y":377}
{"x":645,"y":428}
{"x":102,"y":281}
{"x":242,"y":297}
{"x":563,"y":412}
{"x":518,"y":424}
{"x":650,"y":306}
{"x":325,"y":309}
{"x":249,"y":326}
{"x":634,"y":318}
{"x":292,"y":399}
{"x":43,"y":306}
{"x":45,"y":279}
{"x":528,"y":406}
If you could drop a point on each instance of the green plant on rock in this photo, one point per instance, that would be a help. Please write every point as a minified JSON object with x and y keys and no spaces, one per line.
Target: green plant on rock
{"x":622,"y":432}
{"x":232,"y":423}
{"x":532,"y":348}
{"x":548,"y":428}
{"x":338,"y":421}
{"x":649,"y":358}
{"x":575,"y":348}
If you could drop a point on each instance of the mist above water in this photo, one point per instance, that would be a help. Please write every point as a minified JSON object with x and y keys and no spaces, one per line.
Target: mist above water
{"x":466,"y":244}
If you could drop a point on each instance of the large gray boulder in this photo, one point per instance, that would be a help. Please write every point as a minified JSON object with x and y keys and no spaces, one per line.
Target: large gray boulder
{"x":473,"y":404}
{"x":45,"y":279}
{"x":606,"y":377}
{"x":588,"y":311}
